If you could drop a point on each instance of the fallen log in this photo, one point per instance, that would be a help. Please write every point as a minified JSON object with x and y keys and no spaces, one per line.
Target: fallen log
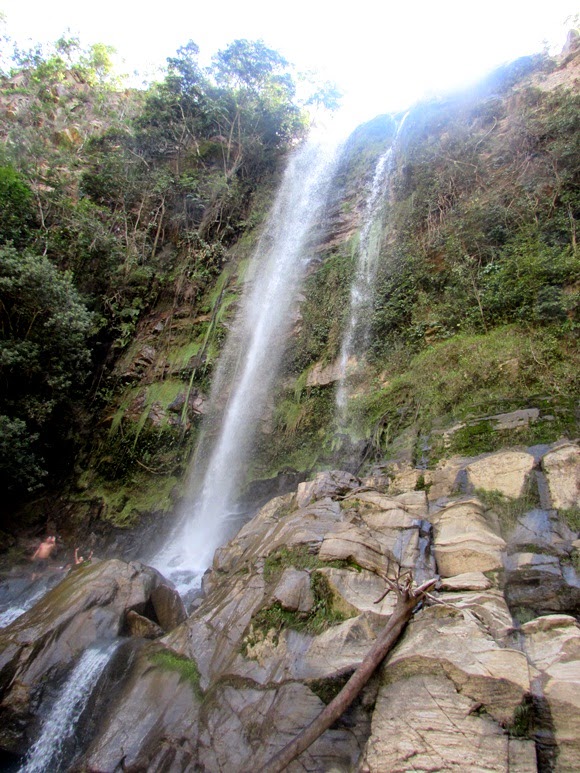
{"x":408,"y":599}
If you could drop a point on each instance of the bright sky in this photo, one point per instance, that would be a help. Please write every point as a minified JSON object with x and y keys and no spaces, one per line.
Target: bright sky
{"x":383,"y":55}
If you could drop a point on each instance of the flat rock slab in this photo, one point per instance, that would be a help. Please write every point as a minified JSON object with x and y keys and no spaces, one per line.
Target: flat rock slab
{"x":506,"y":472}
{"x":424,"y":723}
{"x":465,"y":540}
{"x":562,"y":469}
{"x":465,"y":581}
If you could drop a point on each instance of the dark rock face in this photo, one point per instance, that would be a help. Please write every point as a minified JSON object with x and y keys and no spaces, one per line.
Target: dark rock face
{"x":92,"y":603}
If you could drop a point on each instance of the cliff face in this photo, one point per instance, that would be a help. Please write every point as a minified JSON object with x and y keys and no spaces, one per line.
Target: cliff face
{"x":485,"y":676}
{"x":456,"y":457}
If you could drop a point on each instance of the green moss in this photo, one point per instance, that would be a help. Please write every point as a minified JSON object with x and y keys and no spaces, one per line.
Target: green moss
{"x":507,"y":509}
{"x":124,"y":504}
{"x":572,"y":517}
{"x":298,"y":557}
{"x":185,"y":667}
{"x":276,"y":619}
{"x":328,"y":689}
{"x":523,"y":720}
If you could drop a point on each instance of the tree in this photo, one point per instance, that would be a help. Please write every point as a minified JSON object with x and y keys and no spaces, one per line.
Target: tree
{"x":44,"y":355}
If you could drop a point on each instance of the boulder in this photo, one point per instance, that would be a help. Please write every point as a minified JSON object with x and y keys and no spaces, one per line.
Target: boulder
{"x":506,"y":472}
{"x":91,"y":603}
{"x":141,"y":627}
{"x":325,"y":484}
{"x":552,"y":644}
{"x":465,"y":540}
{"x":466,"y":581}
{"x":168,"y":606}
{"x":426,"y":723}
{"x":562,"y":469}
{"x":293,"y":591}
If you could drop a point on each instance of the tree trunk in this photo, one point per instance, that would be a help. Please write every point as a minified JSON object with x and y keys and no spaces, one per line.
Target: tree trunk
{"x":406,"y":603}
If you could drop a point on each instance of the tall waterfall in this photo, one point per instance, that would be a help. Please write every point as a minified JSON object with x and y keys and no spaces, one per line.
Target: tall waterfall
{"x":46,"y":755}
{"x":362,"y":289}
{"x":251,"y":357}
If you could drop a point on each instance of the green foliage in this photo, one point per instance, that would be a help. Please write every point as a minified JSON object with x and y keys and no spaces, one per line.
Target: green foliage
{"x":44,"y":356}
{"x":572,"y":517}
{"x":16,"y":207}
{"x":21,"y":468}
{"x":507,"y":509}
{"x":185,"y":667}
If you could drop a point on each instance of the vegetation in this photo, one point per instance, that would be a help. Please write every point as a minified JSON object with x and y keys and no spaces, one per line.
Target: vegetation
{"x":115,"y":202}
{"x":185,"y":667}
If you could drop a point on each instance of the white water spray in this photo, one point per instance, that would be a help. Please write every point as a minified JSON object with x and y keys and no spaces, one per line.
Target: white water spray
{"x":46,"y":754}
{"x":362,"y":289}
{"x":251,"y":357}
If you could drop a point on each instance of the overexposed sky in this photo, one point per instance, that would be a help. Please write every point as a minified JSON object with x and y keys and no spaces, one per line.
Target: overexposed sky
{"x":383,"y":55}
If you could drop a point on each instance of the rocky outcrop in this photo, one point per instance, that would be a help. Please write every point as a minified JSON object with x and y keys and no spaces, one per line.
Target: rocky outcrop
{"x":296,"y":599}
{"x":294,"y":602}
{"x":93,"y":603}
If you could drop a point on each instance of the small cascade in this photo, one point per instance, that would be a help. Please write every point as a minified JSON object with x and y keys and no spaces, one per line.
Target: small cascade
{"x":59,"y":726}
{"x":361,"y":291}
{"x":250,"y":361}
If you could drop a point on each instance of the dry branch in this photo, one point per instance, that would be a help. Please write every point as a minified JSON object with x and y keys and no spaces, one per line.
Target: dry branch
{"x":407,"y":600}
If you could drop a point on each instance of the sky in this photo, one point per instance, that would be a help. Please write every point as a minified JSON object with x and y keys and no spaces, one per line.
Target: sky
{"x":384,"y":56}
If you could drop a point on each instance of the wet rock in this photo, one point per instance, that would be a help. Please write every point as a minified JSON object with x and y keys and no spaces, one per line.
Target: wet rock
{"x":325,"y":484}
{"x":506,"y":472}
{"x":142,"y":627}
{"x":91,"y":603}
{"x":465,"y":540}
{"x":543,"y":530}
{"x":155,"y":718}
{"x":168,"y":606}
{"x":540,"y":582}
{"x":562,"y":469}
{"x":552,"y":644}
{"x":293,"y":591}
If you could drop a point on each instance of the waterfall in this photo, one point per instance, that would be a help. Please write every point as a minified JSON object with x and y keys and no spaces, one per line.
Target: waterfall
{"x":250,"y":360}
{"x":362,"y":289}
{"x":59,"y":726}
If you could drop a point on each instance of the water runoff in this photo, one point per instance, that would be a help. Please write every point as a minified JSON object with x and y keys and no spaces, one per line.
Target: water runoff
{"x":249,"y":363}
{"x":356,"y":335}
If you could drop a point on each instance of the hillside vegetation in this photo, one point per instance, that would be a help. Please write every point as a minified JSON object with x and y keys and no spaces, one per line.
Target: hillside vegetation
{"x":126,"y":221}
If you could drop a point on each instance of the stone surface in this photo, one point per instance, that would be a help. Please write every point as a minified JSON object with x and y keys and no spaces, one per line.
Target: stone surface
{"x":293,"y":591}
{"x":465,"y":540}
{"x":155,"y":713}
{"x":562,"y":469}
{"x":325,"y":484}
{"x":456,"y":643}
{"x":552,"y":644}
{"x":91,"y":603}
{"x":466,"y":581}
{"x":142,"y":627}
{"x":168,"y":606}
{"x":424,"y":723}
{"x":506,"y":472}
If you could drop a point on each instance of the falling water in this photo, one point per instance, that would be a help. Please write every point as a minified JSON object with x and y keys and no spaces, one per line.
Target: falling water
{"x":47,"y":753}
{"x":251,"y":357}
{"x":361,"y":291}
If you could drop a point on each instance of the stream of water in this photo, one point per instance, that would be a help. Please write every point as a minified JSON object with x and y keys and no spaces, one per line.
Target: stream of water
{"x":250,"y":361}
{"x":47,"y":753}
{"x":356,"y":335}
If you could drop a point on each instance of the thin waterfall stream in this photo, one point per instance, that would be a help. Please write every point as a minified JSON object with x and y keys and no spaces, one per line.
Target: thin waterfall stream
{"x":362,"y":289}
{"x":250,"y":361}
{"x":47,"y":753}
